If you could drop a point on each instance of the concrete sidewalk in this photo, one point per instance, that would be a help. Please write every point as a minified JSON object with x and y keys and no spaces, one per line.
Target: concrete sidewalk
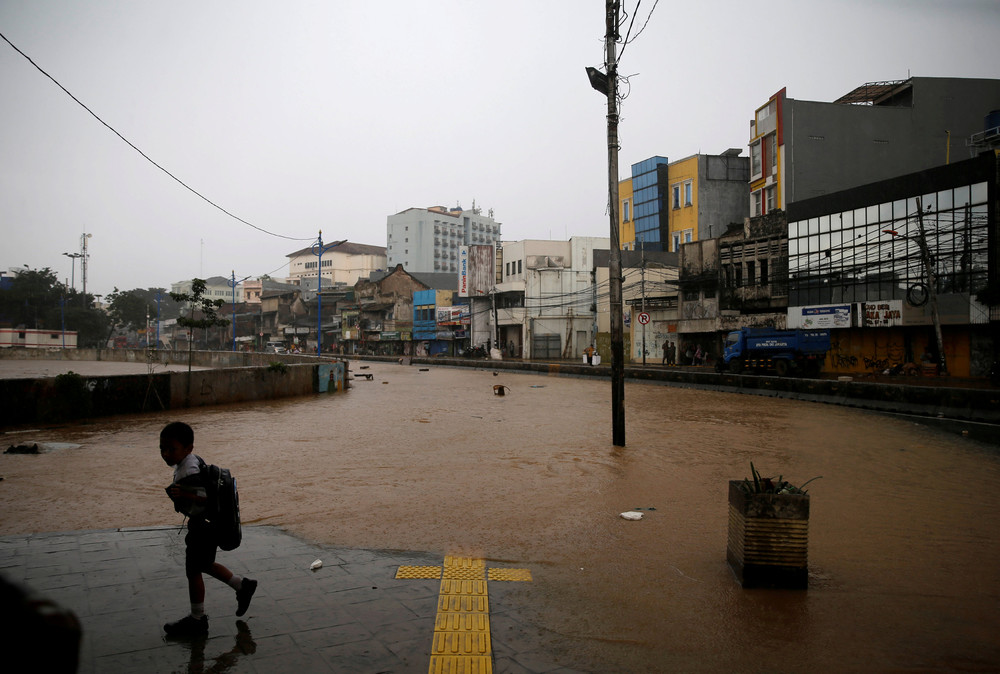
{"x":351,"y":615}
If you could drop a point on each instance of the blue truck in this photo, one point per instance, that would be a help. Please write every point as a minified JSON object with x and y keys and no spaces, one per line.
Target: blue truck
{"x":783,"y":351}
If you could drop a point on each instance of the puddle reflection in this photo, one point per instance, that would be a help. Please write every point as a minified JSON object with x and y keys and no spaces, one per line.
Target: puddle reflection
{"x":197,"y":664}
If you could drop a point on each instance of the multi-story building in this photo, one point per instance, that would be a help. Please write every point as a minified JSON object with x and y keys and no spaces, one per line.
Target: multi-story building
{"x":428,"y":239}
{"x":875,"y":263}
{"x":216,"y":288}
{"x":804,"y":149}
{"x":343,"y":264}
{"x":440,"y":323}
{"x":665,"y":204}
{"x":546,"y":298}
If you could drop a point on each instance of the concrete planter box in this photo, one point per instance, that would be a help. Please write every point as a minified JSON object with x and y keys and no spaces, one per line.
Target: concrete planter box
{"x":768,"y":538}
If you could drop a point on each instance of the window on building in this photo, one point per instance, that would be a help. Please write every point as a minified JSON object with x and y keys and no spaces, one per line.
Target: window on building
{"x":687,"y":193}
{"x":772,"y":152}
{"x":751,"y":273}
{"x":738,"y":276}
{"x":755,"y":159}
{"x":677,"y":196}
{"x":763,"y":272}
{"x":518,"y":266}
{"x":676,"y":242}
{"x":625,"y":211}
{"x":755,"y":203}
{"x":769,"y":199}
{"x":688,"y":235}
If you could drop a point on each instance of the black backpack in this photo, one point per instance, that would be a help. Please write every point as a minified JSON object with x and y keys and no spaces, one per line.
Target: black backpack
{"x":223,"y":508}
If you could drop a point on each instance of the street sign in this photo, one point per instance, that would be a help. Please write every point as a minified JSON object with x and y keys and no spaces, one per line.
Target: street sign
{"x":643,"y":317}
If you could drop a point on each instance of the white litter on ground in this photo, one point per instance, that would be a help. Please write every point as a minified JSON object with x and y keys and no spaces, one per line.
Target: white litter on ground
{"x":631,"y":515}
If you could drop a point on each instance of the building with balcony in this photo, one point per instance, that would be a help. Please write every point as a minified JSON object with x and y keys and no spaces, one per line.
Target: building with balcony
{"x":427,"y":240}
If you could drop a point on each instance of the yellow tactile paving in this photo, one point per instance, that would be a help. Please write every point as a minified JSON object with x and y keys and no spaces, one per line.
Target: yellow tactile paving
{"x":464,"y":573}
{"x":464,"y":562}
{"x":461,"y":664}
{"x":459,"y":603}
{"x":425,"y":572}
{"x":471,"y":587}
{"x":461,"y":622}
{"x":462,"y":642}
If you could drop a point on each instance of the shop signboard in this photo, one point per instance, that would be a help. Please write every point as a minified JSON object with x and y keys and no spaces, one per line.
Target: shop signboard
{"x":821,"y":316}
{"x":885,"y":314}
{"x":453,"y":315}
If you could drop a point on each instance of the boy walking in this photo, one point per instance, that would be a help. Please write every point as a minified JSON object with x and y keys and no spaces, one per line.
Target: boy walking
{"x":189,"y":495}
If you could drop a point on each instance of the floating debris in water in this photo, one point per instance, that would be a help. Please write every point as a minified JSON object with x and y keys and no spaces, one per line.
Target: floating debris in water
{"x":22,"y":449}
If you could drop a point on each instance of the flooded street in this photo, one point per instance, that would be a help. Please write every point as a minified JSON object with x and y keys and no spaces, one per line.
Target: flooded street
{"x":903,"y":538}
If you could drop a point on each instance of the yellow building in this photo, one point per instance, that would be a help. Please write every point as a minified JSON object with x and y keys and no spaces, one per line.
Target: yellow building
{"x":664,"y":205}
{"x":626,"y":223}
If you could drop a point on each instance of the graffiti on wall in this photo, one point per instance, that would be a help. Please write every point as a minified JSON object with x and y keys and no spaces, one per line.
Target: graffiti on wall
{"x":866,"y":353}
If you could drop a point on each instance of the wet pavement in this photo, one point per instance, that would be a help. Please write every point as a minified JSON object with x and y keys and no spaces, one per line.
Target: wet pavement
{"x":350,"y":615}
{"x":903,"y":552}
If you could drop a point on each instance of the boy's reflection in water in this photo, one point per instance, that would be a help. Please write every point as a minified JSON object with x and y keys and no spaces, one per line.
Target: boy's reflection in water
{"x":244,"y":645}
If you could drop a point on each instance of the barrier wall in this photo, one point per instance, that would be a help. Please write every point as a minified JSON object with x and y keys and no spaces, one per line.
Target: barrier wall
{"x":73,"y":396}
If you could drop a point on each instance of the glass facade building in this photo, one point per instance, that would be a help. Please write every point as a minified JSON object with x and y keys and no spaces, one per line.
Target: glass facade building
{"x":865,"y":246}
{"x":650,"y":203}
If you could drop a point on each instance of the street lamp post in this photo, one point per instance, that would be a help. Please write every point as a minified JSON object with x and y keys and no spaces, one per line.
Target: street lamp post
{"x":83,"y":264}
{"x":72,"y":274}
{"x":318,"y":249}
{"x":158,"y":295}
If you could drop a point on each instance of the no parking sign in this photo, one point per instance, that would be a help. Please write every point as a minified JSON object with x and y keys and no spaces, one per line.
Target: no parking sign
{"x":643,"y":317}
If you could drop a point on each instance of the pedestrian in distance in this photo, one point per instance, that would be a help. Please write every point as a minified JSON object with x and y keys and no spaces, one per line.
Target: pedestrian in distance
{"x":589,"y":351}
{"x":189,"y":494}
{"x":699,"y":356}
{"x":672,"y":354}
{"x":666,"y":351}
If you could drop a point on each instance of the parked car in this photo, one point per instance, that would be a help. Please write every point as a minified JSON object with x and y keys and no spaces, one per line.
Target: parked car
{"x":275,"y":347}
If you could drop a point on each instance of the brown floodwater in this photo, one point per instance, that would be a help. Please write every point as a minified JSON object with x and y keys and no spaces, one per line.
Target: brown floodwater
{"x":903,"y":539}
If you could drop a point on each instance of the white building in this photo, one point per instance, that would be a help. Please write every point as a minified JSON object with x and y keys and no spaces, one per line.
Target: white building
{"x":546,"y":298}
{"x":344,"y":264}
{"x":216,"y":288}
{"x":426,"y":240}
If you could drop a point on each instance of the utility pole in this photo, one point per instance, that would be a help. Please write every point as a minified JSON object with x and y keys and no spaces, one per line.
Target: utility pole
{"x":607,"y":84}
{"x":931,"y":286}
{"x":496,"y":320}
{"x":83,"y":263}
{"x":642,"y":290}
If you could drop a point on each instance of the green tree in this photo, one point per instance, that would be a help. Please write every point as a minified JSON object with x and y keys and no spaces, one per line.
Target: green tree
{"x":198,"y":304}
{"x":37,"y":300}
{"x":32,"y":295}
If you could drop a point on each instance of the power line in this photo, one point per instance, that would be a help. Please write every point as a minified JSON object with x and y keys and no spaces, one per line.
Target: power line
{"x":143,"y":154}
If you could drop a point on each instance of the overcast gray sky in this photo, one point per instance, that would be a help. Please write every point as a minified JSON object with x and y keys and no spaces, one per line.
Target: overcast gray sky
{"x":325,"y":114}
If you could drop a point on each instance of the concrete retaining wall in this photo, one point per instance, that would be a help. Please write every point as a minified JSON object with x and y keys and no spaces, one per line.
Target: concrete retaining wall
{"x":161,"y":357}
{"x":73,"y":396}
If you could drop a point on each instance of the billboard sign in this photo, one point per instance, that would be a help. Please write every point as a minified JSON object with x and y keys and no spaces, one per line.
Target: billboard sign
{"x":823,"y":316}
{"x":476,"y":270}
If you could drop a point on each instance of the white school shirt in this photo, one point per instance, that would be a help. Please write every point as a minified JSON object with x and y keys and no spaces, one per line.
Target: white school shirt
{"x":190,"y":465}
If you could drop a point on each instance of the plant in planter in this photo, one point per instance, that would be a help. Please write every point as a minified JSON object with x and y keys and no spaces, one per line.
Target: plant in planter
{"x":768,"y":532}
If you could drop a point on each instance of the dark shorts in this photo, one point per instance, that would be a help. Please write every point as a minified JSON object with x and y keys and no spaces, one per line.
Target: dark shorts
{"x":201,"y":547}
